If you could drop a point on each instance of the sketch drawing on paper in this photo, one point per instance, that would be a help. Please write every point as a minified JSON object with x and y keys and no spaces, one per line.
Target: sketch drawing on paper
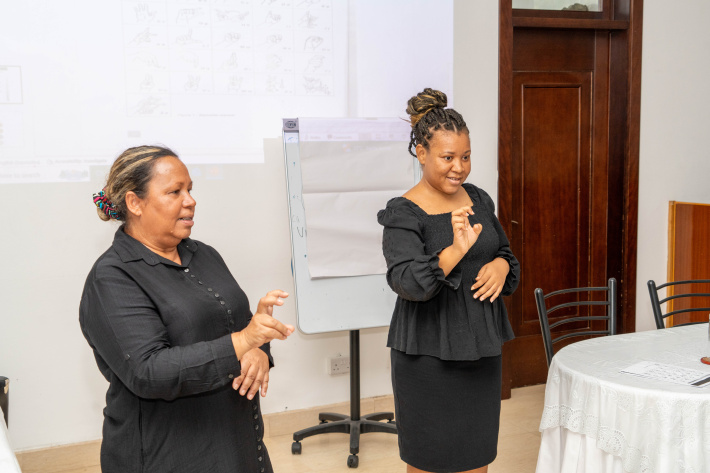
{"x":145,"y":59}
{"x":308,"y":20}
{"x":150,"y":105}
{"x":272,"y":18}
{"x":230,"y":16}
{"x":232,"y":62}
{"x":142,"y":38}
{"x":186,"y":39}
{"x":186,"y":16}
{"x":275,"y":85}
{"x":315,"y":86}
{"x":147,"y":84}
{"x":230,"y":38}
{"x":192,"y":84}
{"x":189,"y":58}
{"x":273,"y":40}
{"x":235,"y":84}
{"x":144,"y":14}
{"x":312,"y":43}
{"x":315,"y":64}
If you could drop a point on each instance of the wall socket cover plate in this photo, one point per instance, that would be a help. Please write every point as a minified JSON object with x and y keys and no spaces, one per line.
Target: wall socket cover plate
{"x":338,"y":365}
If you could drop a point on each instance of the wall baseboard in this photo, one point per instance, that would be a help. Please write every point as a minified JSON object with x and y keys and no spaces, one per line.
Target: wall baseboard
{"x":76,"y":456}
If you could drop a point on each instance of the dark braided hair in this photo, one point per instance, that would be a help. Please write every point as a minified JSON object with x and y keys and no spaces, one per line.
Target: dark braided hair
{"x":428,"y":114}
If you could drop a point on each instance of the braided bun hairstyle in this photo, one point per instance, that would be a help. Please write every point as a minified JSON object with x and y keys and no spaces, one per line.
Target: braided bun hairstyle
{"x":131,"y":172}
{"x":428,"y":113}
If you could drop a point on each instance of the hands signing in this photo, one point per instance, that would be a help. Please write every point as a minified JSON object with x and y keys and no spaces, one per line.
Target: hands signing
{"x":490,"y":280}
{"x":465,"y":235}
{"x":254,"y":375}
{"x":263,"y":327}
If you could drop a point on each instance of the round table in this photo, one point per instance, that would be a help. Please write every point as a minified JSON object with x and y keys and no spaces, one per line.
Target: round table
{"x":598,"y":419}
{"x":8,"y":461}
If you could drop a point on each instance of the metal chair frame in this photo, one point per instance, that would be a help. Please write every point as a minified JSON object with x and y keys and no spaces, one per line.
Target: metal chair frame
{"x":658,"y":314}
{"x":543,"y":313}
{"x":4,"y":397}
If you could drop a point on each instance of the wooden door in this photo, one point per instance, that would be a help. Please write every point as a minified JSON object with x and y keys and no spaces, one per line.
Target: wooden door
{"x":568,"y":181}
{"x":688,"y":258}
{"x":559,"y":195}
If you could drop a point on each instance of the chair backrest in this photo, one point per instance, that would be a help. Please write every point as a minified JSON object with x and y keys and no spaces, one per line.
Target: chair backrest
{"x":544,"y":312}
{"x":685,"y":295}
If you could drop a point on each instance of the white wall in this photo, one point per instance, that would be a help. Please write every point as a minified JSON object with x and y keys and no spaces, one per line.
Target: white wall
{"x":51,"y":236}
{"x":674,"y":161}
{"x":476,"y":86}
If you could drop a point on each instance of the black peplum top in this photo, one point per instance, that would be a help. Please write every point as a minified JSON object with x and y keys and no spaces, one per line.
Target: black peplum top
{"x":436,"y":315}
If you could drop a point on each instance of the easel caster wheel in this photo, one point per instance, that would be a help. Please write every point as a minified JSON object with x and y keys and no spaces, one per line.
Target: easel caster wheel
{"x":296,"y":448}
{"x":353,"y":461}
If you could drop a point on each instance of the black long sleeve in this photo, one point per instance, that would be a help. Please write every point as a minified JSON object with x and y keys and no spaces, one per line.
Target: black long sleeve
{"x":161,"y":336}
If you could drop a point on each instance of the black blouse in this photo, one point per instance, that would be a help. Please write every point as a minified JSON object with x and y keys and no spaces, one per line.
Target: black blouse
{"x":160,"y":332}
{"x":436,"y":315}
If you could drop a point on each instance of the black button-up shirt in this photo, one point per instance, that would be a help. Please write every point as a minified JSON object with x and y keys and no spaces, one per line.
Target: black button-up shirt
{"x":161,"y":335}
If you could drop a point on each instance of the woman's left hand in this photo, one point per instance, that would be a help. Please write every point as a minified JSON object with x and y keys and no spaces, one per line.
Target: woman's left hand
{"x":255,"y":374}
{"x":490,"y":280}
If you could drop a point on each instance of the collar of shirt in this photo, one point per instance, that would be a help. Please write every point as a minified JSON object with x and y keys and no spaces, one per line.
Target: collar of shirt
{"x":130,"y":249}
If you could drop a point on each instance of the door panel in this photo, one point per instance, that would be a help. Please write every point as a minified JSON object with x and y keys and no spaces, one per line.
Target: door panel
{"x":550,"y":185}
{"x":559,"y":176}
{"x":553,"y":50}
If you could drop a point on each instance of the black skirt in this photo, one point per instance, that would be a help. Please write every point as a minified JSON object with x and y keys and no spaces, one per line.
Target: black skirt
{"x":447,"y":412}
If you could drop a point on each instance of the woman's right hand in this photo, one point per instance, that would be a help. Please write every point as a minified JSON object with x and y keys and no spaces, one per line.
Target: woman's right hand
{"x":465,"y":235}
{"x":263,"y":327}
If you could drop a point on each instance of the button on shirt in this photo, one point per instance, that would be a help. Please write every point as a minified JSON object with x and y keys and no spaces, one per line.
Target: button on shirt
{"x":163,"y":342}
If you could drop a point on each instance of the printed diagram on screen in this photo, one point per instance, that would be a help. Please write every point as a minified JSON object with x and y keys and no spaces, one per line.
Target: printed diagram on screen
{"x":10,"y":85}
{"x":174,"y":51}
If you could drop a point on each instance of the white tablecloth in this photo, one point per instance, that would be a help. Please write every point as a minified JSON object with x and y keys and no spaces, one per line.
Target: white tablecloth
{"x":599,"y":420}
{"x":8,"y":461}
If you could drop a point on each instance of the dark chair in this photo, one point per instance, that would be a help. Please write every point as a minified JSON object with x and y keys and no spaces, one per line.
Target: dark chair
{"x":544,"y":312}
{"x":4,"y":396}
{"x":688,"y":297}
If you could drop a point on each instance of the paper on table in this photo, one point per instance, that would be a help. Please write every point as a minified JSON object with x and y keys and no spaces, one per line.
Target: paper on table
{"x":670,"y":373}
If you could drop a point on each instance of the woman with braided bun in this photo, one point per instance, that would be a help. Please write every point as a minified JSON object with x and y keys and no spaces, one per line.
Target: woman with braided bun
{"x":172,"y":332}
{"x":448,"y":260}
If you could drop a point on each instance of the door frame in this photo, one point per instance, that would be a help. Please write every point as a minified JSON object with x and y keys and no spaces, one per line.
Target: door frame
{"x":626,"y":17}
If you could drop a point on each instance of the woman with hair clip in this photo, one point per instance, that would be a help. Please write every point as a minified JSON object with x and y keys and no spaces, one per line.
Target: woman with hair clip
{"x":172,"y":332}
{"x":449,"y":262}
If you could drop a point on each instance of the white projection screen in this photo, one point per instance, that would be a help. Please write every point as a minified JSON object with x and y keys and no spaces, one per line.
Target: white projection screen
{"x":81,"y":80}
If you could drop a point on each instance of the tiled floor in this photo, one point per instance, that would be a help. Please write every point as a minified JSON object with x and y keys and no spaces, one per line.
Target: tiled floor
{"x":517,"y":447}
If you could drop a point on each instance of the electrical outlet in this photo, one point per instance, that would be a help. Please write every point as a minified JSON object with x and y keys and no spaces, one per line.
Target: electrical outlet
{"x":338,"y":365}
